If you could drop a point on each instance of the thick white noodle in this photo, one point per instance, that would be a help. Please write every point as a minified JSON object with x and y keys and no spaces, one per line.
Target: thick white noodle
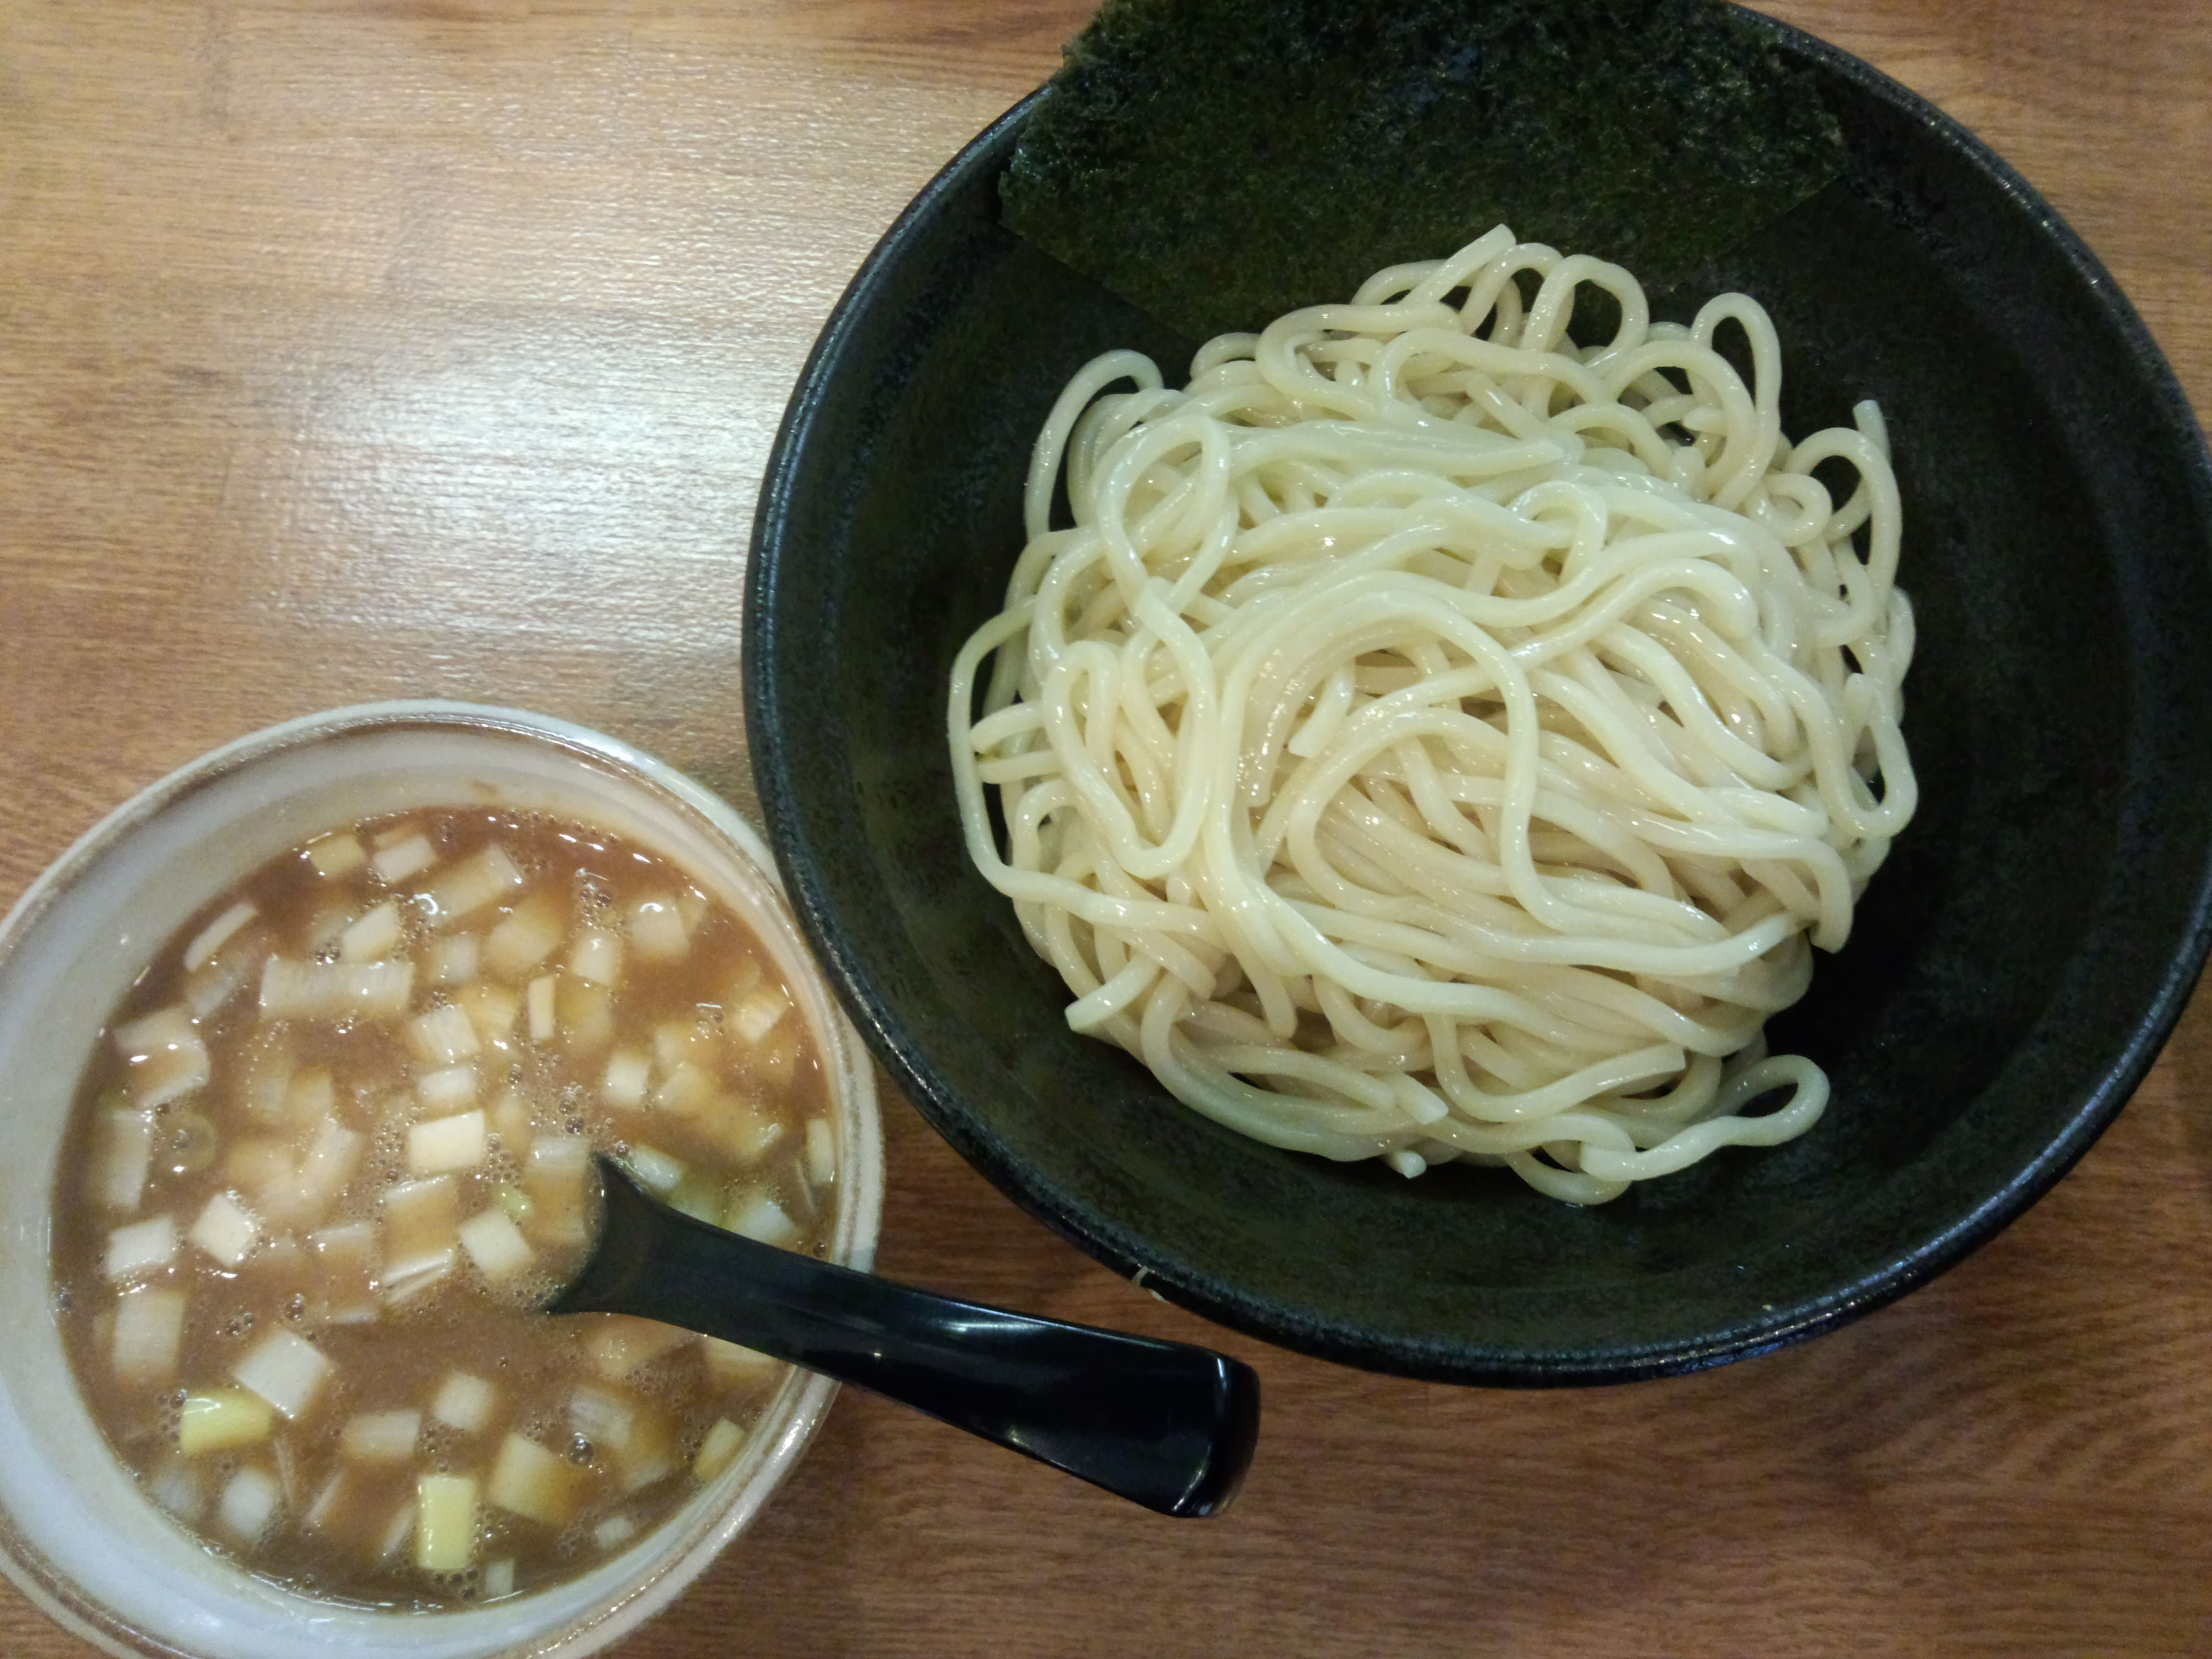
{"x":1433,"y":739}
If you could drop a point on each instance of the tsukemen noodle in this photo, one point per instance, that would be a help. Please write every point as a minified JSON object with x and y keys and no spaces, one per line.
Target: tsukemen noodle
{"x":1432,"y":737}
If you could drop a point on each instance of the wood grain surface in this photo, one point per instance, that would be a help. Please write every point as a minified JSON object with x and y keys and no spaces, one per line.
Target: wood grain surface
{"x":434,"y":348}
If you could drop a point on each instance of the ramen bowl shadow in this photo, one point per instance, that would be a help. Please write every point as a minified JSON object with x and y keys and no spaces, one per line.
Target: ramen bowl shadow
{"x":2013,"y":969}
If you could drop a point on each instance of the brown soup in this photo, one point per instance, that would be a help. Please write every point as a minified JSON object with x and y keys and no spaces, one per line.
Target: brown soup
{"x":336,"y":1146}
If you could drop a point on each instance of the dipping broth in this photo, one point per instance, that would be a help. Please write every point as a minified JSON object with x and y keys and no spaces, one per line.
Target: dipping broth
{"x":334,"y":1149}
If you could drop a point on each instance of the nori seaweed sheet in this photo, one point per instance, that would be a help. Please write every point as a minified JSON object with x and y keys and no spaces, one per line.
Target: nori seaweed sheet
{"x":1219,"y":162}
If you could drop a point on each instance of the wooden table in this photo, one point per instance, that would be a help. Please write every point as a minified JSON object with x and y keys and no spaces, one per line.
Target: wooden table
{"x":434,"y":347}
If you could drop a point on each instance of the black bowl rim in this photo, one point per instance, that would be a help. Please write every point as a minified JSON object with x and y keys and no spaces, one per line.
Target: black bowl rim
{"x":1123,"y":1251}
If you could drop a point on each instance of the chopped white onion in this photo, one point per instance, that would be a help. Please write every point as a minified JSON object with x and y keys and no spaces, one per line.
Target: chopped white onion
{"x":687,"y":1090}
{"x":345,"y":1284}
{"x":448,"y":1089}
{"x":525,"y":936}
{"x":756,"y":1014}
{"x":281,"y":1259}
{"x":149,"y":1333}
{"x":249,"y":1504}
{"x":166,"y":1057}
{"x":452,"y":960}
{"x":587,"y":1016}
{"x":601,"y":1418}
{"x":177,"y":1489}
{"x":325,"y":1507}
{"x":624,"y":1086}
{"x":214,"y":985}
{"x":285,"y":1369}
{"x":679,"y":1042}
{"x":381,"y":1437}
{"x":301,"y":1195}
{"x":743,"y":1130}
{"x":212,"y":938}
{"x":510,"y":1119}
{"x":596,"y":956}
{"x":470,"y":885}
{"x":759,"y":1216}
{"x":443,"y":1036}
{"x":421,"y":1227}
{"x":227,"y":1230}
{"x":496,"y":1245}
{"x":337,"y":855}
{"x":268,"y":1069}
{"x":141,"y":1248}
{"x":653,"y":1168}
{"x":332,"y":1158}
{"x":397,"y":859}
{"x":464,"y":1403}
{"x":657,"y":930}
{"x":446,"y":1144}
{"x":528,"y":1481}
{"x":335,"y":990}
{"x":491,"y":1010}
{"x":423,"y":1274}
{"x":372,"y":938}
{"x":396,"y":1531}
{"x":637,"y":1437}
{"x":122,"y":1155}
{"x":542,"y":1024}
{"x":312,"y":1095}
{"x":557,"y":1180}
{"x":718,"y":1451}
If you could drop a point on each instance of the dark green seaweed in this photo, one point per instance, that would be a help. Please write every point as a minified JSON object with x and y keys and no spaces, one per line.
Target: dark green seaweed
{"x":1219,"y":162}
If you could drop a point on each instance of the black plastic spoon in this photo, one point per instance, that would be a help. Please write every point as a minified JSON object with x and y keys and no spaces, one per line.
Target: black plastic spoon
{"x":1162,"y":1424}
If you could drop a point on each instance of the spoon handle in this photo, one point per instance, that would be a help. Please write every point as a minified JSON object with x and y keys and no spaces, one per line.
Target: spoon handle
{"x":1163,"y":1424}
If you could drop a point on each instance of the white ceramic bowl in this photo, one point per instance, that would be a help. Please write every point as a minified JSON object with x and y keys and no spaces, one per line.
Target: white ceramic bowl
{"x":76,"y":1532}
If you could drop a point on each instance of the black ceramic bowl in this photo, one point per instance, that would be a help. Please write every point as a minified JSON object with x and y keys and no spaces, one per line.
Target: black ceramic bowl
{"x":2013,"y":969}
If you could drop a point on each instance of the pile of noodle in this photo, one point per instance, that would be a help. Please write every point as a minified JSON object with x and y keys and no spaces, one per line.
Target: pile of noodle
{"x":1434,"y":739}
